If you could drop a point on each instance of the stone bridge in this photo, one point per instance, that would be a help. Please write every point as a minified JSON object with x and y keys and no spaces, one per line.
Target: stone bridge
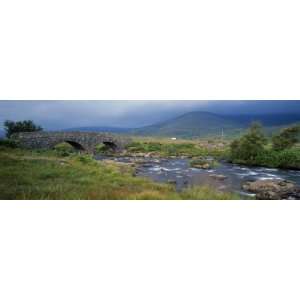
{"x":82,"y":141}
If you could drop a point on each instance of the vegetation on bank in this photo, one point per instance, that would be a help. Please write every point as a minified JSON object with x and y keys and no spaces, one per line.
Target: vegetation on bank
{"x":53,"y":174}
{"x":254,"y":148}
{"x":207,"y":192}
{"x":182,"y":148}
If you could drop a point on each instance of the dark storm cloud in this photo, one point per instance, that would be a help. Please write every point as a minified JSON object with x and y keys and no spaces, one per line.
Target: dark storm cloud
{"x":66,"y":114}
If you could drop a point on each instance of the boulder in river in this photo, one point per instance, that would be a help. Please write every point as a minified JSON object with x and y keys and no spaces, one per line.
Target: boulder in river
{"x":273,"y":189}
{"x":218,"y":176}
{"x":202,"y":166}
{"x":203,"y":163}
{"x":147,"y":165}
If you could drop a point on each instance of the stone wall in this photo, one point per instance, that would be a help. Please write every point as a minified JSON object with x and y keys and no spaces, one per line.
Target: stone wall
{"x":86,"y":141}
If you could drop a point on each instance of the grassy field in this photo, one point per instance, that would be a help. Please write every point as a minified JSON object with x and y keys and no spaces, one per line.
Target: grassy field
{"x":191,"y":148}
{"x":54,"y":174}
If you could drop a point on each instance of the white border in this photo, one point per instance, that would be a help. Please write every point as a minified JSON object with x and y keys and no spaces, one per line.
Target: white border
{"x":141,"y":50}
{"x":149,"y":250}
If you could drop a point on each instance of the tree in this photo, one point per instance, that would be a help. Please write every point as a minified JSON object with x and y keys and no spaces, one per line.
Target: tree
{"x":287,"y":138}
{"x":250,"y":145}
{"x":20,"y":126}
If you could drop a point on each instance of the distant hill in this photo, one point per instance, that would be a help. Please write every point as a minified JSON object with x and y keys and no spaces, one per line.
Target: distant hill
{"x":205,"y":124}
{"x":194,"y":124}
{"x":202,"y":124}
{"x":100,"y":129}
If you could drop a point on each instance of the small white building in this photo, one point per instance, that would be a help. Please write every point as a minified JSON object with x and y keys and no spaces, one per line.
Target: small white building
{"x":173,"y":138}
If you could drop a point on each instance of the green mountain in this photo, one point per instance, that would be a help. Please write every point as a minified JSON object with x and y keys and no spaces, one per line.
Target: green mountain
{"x":201,"y":124}
{"x":206,"y":124}
{"x":100,"y":129}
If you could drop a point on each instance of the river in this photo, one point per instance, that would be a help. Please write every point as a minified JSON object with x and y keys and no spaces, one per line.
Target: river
{"x":179,"y":172}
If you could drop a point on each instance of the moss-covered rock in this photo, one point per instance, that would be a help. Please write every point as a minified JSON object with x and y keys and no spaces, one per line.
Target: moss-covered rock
{"x":203,"y":163}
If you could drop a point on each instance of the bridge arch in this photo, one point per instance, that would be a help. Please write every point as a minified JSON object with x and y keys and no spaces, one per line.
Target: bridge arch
{"x":110,"y":145}
{"x":75,"y":145}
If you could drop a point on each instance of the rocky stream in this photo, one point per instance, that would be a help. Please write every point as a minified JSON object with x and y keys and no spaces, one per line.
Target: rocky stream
{"x":256,"y":182}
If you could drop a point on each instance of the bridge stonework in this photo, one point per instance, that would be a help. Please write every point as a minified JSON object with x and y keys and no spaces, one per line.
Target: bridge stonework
{"x":84,"y":141}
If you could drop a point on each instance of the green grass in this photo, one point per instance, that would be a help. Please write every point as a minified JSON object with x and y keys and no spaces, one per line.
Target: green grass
{"x":206,"y":192}
{"x":43,"y":174}
{"x":179,"y":148}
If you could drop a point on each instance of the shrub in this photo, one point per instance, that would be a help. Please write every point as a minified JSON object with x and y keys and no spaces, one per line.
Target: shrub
{"x":267,"y":158}
{"x":249,"y":146}
{"x":8,"y":143}
{"x":286,"y":159}
{"x":286,"y":139}
{"x":64,"y":149}
{"x":12,"y":127}
{"x":289,"y":158}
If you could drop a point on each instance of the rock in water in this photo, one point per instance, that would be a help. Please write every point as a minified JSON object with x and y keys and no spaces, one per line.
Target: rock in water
{"x":201,"y":166}
{"x":218,"y":176}
{"x":203,"y":163}
{"x":273,"y":189}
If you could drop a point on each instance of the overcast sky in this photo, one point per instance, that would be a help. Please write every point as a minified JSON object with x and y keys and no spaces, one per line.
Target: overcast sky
{"x":68,"y":114}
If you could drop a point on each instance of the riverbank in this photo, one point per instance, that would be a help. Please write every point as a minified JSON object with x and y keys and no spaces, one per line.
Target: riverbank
{"x":178,"y":148}
{"x":218,"y":149}
{"x":288,"y":159}
{"x":26,"y":174}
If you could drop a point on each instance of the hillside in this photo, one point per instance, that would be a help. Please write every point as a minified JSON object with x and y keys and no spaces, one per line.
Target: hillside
{"x":100,"y":129}
{"x":205,"y":124}
{"x":194,"y":124}
{"x":202,"y":124}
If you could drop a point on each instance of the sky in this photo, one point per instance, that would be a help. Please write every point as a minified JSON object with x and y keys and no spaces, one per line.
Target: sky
{"x":130,"y":114}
